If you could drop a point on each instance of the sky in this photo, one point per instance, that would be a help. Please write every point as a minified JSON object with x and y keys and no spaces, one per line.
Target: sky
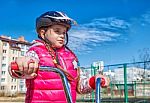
{"x":113,"y":31}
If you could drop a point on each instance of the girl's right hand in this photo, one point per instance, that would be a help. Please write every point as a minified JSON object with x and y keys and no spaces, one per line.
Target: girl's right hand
{"x":27,"y":66}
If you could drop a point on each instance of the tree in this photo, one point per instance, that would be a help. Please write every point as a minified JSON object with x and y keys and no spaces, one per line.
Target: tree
{"x":144,"y":56}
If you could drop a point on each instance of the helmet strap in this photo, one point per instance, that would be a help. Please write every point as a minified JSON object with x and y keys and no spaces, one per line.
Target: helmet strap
{"x":66,"y":39}
{"x":47,"y":41}
{"x":45,"y":38}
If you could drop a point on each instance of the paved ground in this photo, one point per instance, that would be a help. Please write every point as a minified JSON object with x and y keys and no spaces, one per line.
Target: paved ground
{"x":12,"y":99}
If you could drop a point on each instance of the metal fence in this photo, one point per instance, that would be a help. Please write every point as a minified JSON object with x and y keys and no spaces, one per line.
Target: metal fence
{"x":130,"y":83}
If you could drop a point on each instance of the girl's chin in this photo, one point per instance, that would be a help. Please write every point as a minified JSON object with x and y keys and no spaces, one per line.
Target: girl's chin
{"x":59,"y":46}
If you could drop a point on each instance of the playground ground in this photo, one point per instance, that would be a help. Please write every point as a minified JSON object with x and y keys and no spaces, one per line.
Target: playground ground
{"x":20,"y":99}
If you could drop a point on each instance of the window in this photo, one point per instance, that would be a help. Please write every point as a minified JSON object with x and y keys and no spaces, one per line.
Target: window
{"x":13,"y":58}
{"x":14,"y":45}
{"x":4,"y":44}
{"x":27,"y":47}
{"x":13,"y":51}
{"x":13,"y":80}
{"x":2,"y":79}
{"x":14,"y":87}
{"x":22,"y":46}
{"x":22,"y":53}
{"x":3,"y":65}
{"x":4,"y":58}
{"x":3,"y":72}
{"x":21,"y":87}
{"x":4,"y":51}
{"x":2,"y":87}
{"x":11,"y":87}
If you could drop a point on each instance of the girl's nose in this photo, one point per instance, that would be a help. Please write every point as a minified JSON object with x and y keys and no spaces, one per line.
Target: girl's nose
{"x":62,"y":36}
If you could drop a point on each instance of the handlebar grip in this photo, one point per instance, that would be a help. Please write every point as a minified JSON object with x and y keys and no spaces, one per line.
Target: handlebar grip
{"x":14,"y":66}
{"x":103,"y":82}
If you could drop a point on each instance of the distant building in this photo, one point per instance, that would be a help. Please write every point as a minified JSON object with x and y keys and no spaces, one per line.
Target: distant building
{"x":86,"y":72}
{"x":9,"y":50}
{"x":133,"y":74}
{"x":137,"y":81}
{"x":99,"y":65}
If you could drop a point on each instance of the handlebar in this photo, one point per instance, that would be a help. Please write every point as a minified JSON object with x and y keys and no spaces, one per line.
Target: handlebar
{"x":14,"y":66}
{"x":97,"y":95}
{"x":64,"y":80}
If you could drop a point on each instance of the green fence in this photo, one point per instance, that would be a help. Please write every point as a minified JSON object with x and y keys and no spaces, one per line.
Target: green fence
{"x":130,"y":83}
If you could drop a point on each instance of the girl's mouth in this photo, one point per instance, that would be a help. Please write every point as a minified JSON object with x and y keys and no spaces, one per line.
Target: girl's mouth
{"x":61,"y":41}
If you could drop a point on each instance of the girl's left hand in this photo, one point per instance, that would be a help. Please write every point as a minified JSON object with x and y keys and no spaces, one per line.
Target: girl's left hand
{"x":105,"y":81}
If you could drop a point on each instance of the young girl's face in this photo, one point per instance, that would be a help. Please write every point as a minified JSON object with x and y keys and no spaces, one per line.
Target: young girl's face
{"x":56,"y":35}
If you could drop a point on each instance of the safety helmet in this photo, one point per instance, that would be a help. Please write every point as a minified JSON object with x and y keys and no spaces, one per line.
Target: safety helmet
{"x":53,"y":17}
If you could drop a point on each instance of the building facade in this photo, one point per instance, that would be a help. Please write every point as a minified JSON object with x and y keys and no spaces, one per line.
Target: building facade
{"x":9,"y":50}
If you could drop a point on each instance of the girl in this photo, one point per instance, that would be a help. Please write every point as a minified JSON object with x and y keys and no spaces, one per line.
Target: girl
{"x":51,"y":50}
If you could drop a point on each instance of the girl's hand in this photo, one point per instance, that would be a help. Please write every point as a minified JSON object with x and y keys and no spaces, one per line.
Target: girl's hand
{"x":27,"y":66}
{"x":105,"y":81}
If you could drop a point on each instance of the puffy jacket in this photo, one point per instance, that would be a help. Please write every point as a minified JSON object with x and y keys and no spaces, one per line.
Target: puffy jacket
{"x":47,"y":87}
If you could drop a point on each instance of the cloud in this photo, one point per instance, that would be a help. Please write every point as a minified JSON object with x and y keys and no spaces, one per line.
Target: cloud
{"x":145,"y":18}
{"x":84,"y":36}
{"x":142,"y":20}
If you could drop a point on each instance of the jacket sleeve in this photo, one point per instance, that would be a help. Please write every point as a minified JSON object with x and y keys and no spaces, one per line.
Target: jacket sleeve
{"x":88,"y":84}
{"x":83,"y":86}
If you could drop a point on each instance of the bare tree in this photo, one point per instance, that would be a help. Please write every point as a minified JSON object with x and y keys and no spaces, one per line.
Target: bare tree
{"x":144,"y":55}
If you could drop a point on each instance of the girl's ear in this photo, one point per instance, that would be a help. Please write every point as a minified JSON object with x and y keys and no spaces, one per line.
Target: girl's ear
{"x":42,"y":33}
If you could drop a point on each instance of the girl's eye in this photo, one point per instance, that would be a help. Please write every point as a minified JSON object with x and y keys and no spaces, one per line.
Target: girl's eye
{"x":57,"y":31}
{"x":64,"y":32}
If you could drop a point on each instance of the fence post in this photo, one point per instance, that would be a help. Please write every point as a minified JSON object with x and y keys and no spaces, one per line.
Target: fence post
{"x":135,"y":87}
{"x":144,"y":80}
{"x":125,"y":83}
{"x":93,"y":73}
{"x":120,"y":92}
{"x":111,"y":89}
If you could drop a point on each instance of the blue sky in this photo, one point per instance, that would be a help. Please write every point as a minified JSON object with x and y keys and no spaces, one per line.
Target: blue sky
{"x":109,"y":30}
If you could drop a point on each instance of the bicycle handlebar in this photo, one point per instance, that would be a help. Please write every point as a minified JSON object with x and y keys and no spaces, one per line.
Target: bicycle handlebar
{"x":14,"y":66}
{"x":64,"y":80}
{"x":97,"y":95}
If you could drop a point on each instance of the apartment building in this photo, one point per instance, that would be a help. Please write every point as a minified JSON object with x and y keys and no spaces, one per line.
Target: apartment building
{"x":9,"y":50}
{"x":133,"y":74}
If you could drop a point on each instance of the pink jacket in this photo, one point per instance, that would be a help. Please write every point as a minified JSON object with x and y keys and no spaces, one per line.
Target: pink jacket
{"x":47,"y":87}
